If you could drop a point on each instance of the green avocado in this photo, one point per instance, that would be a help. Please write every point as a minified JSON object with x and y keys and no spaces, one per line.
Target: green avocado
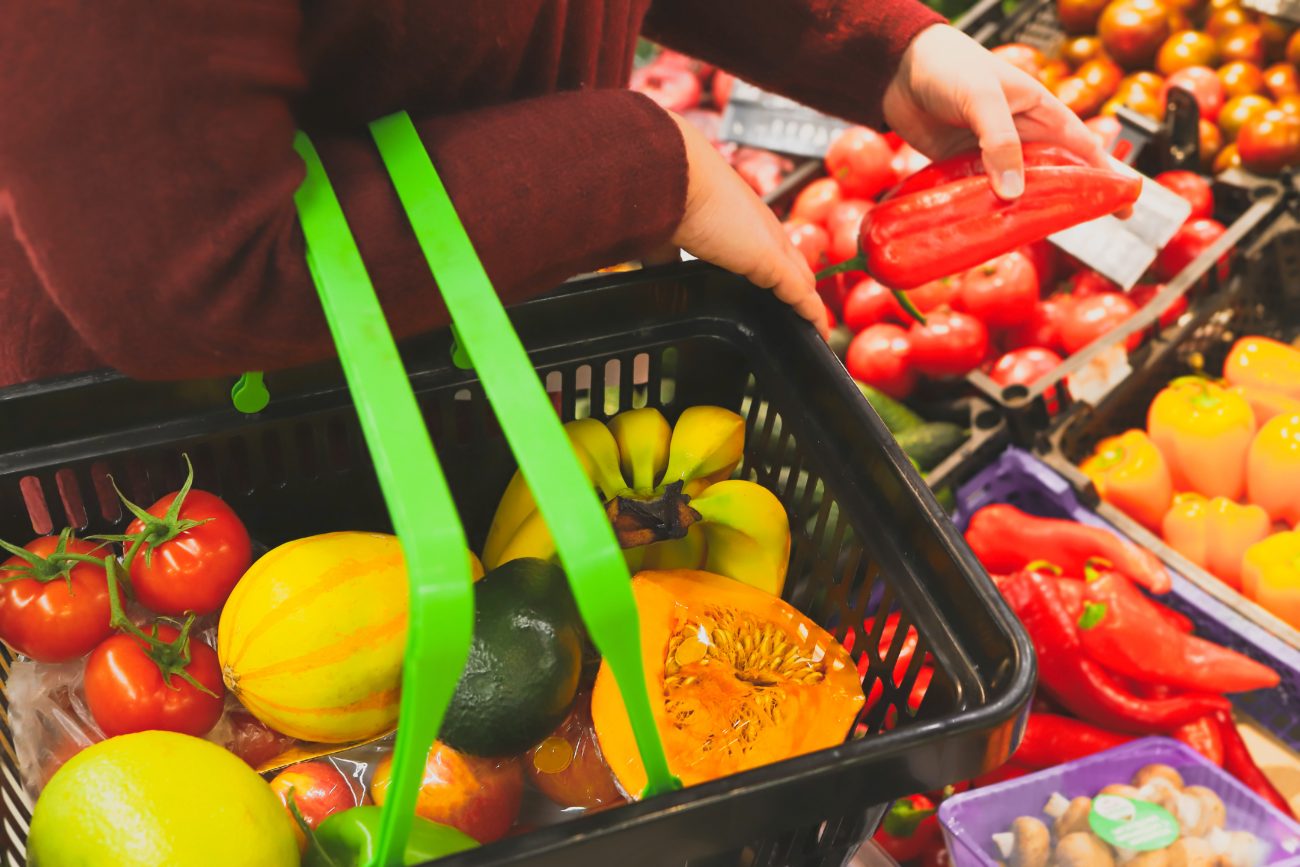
{"x":524,"y":663}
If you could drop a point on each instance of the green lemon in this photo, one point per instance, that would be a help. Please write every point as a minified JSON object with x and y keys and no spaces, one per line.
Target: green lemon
{"x":155,"y":798}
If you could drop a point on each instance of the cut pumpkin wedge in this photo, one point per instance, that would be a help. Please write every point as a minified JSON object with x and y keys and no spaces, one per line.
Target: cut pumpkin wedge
{"x":738,"y":679}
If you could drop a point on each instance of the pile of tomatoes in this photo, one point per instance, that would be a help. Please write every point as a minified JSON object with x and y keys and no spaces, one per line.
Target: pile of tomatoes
{"x":1016,"y":316}
{"x":1240,"y":66}
{"x":179,"y":559}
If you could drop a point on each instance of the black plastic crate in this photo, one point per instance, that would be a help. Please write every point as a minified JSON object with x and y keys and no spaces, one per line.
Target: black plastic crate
{"x":1262,"y":298}
{"x":669,"y":338}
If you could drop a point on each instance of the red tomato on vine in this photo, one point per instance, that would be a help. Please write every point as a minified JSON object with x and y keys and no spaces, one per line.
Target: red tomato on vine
{"x":186,"y":552}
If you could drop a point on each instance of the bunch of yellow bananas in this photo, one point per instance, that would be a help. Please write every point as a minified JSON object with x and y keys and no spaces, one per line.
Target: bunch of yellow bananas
{"x":669,"y":493}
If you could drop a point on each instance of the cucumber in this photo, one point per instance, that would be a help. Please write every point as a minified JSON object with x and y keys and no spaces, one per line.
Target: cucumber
{"x":839,"y":341}
{"x":930,"y":443}
{"x":896,"y":417}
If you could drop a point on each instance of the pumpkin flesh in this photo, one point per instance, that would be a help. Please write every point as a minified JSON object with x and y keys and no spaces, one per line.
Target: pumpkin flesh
{"x":738,"y":679}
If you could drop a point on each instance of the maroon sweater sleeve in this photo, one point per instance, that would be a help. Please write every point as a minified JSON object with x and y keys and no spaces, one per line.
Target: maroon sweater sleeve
{"x":837,"y":56}
{"x":147,"y":161}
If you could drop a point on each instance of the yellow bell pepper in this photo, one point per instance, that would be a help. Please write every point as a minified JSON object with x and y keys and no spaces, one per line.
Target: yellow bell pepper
{"x":1130,"y":473}
{"x":1215,"y":534}
{"x":1265,"y":364}
{"x":1204,"y":431}
{"x":1273,"y":469}
{"x":1266,"y":404}
{"x":1271,"y":575}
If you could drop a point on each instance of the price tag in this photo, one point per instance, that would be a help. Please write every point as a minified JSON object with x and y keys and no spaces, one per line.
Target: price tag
{"x":1130,"y":824}
{"x":1123,"y":249}
{"x":756,"y":118}
{"x":1100,"y":375}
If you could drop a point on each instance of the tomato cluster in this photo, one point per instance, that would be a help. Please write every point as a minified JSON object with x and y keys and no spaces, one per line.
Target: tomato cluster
{"x":1239,"y":65}
{"x":61,"y":601}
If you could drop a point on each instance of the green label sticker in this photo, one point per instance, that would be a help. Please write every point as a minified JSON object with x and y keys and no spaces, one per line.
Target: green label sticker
{"x":1129,"y":824}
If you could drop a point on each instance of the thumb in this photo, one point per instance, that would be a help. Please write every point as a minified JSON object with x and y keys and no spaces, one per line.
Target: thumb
{"x":995,"y":130}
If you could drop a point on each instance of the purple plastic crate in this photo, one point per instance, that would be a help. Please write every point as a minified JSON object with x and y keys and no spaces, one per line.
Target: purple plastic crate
{"x":1025,"y":482}
{"x":971,"y":819}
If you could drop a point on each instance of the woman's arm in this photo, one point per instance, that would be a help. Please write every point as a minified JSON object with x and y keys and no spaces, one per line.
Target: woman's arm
{"x":837,"y":56}
{"x":147,"y":162}
{"x":882,"y":60}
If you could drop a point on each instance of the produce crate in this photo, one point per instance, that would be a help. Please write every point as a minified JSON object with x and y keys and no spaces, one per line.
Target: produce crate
{"x":1027,"y":483}
{"x":1263,"y":298}
{"x":669,"y":338}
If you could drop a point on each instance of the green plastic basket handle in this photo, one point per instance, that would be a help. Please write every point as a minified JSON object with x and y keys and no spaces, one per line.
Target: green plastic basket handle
{"x":441,"y":617}
{"x":583,"y":537}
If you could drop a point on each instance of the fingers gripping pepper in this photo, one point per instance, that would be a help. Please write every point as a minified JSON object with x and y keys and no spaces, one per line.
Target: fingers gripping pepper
{"x":1006,"y":539}
{"x":971,"y":164}
{"x":923,"y":233}
{"x":1076,"y":681}
{"x":1118,"y":630}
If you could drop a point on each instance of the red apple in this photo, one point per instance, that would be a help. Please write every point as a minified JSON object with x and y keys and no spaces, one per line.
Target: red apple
{"x":319,"y":790}
{"x":671,"y":87}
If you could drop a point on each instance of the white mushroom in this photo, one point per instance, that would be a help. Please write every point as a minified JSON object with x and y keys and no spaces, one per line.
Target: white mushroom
{"x":1200,"y":811}
{"x":1154,"y":858}
{"x":1240,"y":849}
{"x":1073,"y":818}
{"x":1027,"y":844}
{"x":1082,"y":849}
{"x":1157,"y":772}
{"x":1122,"y":790}
{"x":1162,"y":794}
{"x":1056,"y":805}
{"x":1191,"y":852}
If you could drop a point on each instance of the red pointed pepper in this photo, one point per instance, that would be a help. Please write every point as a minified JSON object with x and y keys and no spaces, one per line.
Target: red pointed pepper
{"x":1202,"y":735}
{"x":1076,"y":681}
{"x":1238,"y":762}
{"x":1118,"y":630}
{"x":958,"y":222}
{"x":1006,"y":539}
{"x":1073,"y":591}
{"x":1052,"y":740}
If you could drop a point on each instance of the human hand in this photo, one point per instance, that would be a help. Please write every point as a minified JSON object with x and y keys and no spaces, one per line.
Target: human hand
{"x":951,"y":94}
{"x":727,"y":224}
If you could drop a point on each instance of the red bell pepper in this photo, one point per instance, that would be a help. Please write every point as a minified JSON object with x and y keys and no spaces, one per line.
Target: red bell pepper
{"x":908,"y":828}
{"x":1202,"y":735}
{"x":1076,"y":681}
{"x":906,"y":653}
{"x":1052,"y":740}
{"x":1238,"y":762}
{"x":959,"y":222}
{"x":1119,"y":631}
{"x":1006,"y":539}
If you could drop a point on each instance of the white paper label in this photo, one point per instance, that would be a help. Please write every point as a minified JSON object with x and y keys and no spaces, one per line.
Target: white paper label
{"x":1123,"y":249}
{"x":1100,"y":375}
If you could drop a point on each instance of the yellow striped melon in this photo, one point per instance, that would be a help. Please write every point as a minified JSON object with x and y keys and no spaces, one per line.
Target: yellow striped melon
{"x":311,"y":640}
